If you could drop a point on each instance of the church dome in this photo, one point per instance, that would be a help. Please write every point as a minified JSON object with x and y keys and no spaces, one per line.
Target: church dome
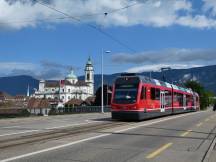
{"x":71,"y":75}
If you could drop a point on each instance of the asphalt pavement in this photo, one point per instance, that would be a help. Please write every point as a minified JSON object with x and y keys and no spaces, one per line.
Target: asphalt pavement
{"x":20,"y":126}
{"x":179,"y":138}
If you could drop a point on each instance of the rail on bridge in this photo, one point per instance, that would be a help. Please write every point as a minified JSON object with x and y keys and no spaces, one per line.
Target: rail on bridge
{"x":82,"y":109}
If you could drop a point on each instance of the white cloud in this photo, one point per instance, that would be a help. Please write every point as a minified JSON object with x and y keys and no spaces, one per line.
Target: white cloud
{"x":167,"y":56}
{"x":157,"y":4}
{"x":174,"y":58}
{"x":8,"y":66}
{"x":157,"y":67}
{"x":198,"y":21}
{"x":210,"y":5}
{"x":43,"y":70}
{"x":158,"y":13}
{"x":12,"y":14}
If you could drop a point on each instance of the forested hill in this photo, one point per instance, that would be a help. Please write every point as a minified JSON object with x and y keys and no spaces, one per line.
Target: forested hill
{"x":205,"y":75}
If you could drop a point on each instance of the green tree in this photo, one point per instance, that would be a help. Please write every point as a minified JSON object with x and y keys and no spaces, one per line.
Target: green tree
{"x":205,"y":96}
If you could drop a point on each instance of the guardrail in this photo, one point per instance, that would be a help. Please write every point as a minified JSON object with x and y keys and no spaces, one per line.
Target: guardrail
{"x":83,"y":109}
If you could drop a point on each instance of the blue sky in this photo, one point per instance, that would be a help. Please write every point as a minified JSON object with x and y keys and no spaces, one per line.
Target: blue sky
{"x":177,"y":33}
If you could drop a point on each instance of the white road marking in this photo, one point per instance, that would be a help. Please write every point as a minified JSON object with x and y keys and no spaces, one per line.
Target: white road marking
{"x":54,"y":148}
{"x":9,"y":127}
{"x":92,"y":138}
{"x":154,"y":122}
{"x":37,"y":130}
{"x":10,"y":134}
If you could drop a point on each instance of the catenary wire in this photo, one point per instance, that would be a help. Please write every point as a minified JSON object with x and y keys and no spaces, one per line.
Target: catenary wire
{"x":67,"y":16}
{"x":88,"y":24}
{"x":83,"y":16}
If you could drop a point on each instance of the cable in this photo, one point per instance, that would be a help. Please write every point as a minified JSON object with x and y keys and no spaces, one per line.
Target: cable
{"x":114,"y":10}
{"x":67,"y":16}
{"x":31,"y":20}
{"x":119,"y":9}
{"x":88,"y":24}
{"x":83,"y":16}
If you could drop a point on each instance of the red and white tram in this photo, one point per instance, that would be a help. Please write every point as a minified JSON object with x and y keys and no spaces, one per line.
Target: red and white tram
{"x":138,"y":97}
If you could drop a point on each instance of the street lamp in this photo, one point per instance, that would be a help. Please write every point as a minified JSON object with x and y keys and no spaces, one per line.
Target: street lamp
{"x":102,"y":95}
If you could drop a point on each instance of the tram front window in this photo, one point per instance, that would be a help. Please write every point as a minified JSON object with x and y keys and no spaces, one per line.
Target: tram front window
{"x":125,"y":96}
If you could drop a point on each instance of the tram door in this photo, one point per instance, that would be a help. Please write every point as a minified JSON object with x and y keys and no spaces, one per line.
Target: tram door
{"x":184,"y":102}
{"x":162,"y":101}
{"x":194,"y":102}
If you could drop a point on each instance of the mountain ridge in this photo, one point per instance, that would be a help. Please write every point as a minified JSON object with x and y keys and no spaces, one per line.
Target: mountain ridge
{"x":206,"y":75}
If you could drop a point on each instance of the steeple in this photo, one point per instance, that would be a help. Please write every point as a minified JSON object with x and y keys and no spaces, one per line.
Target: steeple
{"x":89,"y":71}
{"x":89,"y":62}
{"x":89,"y":75}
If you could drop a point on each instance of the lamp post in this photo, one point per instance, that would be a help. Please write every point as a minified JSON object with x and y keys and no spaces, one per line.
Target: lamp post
{"x":102,"y":94}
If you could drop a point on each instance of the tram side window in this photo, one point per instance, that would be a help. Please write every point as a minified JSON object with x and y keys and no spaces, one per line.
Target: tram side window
{"x":143,"y":93}
{"x":168,"y":97}
{"x":180,"y":99}
{"x":175,"y":98}
{"x":193,"y":100}
{"x":188,"y":99}
{"x":197,"y":99}
{"x":155,"y":94}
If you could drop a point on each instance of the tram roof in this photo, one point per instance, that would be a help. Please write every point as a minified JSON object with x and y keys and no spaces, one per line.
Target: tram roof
{"x":146,"y":79}
{"x":164,"y":84}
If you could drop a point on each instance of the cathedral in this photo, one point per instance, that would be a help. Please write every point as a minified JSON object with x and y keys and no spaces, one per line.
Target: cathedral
{"x":69,"y":88}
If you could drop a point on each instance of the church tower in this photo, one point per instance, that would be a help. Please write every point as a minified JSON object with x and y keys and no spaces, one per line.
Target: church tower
{"x":89,"y":75}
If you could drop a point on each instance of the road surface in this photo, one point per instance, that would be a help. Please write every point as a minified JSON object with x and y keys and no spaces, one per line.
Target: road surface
{"x":179,"y":138}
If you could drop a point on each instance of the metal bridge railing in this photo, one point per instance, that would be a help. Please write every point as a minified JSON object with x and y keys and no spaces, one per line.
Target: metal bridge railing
{"x":82,"y":109}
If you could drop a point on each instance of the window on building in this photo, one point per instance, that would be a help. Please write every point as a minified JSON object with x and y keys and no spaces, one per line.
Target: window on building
{"x":88,"y":76}
{"x":68,"y":97}
{"x":69,"y":90}
{"x":62,"y":97}
{"x":62,"y":90}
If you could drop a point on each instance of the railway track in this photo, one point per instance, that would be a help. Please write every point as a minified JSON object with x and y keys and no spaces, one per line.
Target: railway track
{"x":58,"y":134}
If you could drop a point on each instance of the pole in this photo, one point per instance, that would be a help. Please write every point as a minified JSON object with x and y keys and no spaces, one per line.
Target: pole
{"x":59,"y":90}
{"x":107,"y":94}
{"x":102,"y":80}
{"x":102,"y":97}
